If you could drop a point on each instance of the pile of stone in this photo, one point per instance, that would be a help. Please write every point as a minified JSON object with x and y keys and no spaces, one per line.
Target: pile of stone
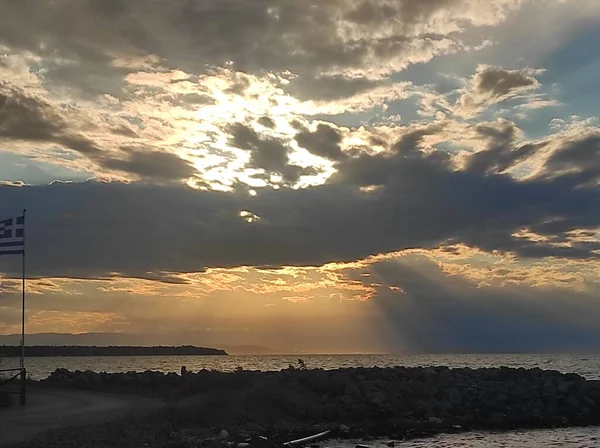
{"x":143,"y":383}
{"x":358,"y":401}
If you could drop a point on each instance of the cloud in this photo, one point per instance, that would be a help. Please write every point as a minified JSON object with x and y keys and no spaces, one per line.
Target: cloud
{"x":108,"y":82}
{"x":581,"y":159}
{"x":31,"y":118}
{"x":404,"y":197}
{"x":325,"y":142}
{"x":266,"y":153}
{"x":8,"y":183}
{"x":266,"y":122}
{"x":491,"y":85}
{"x":499,"y":83}
{"x":148,"y":164}
{"x":27,"y":118}
{"x":238,"y":148}
{"x":330,"y":88}
{"x":90,"y":47}
{"x":424,"y":310}
{"x":215,"y":312}
{"x":503,"y":150}
{"x":401,"y":302}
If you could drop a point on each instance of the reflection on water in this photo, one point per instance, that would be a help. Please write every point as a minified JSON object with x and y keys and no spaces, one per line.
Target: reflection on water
{"x":586,"y":365}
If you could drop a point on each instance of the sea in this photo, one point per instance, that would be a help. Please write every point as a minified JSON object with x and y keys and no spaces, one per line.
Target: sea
{"x":586,"y":365}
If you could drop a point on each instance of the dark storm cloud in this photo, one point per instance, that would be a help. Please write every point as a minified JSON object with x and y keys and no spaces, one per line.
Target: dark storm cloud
{"x":581,"y":159}
{"x":79,"y":143}
{"x":491,"y":85}
{"x":576,"y":162}
{"x":150,"y":164}
{"x":87,"y":79}
{"x":26,"y":117}
{"x":503,"y":151}
{"x":422,"y":201}
{"x":327,"y":88}
{"x":497,"y":159}
{"x":29,"y":118}
{"x":498,"y":82}
{"x":258,"y":36}
{"x":124,"y":130}
{"x":255,"y":29}
{"x":437,"y":312}
{"x":193,"y":100}
{"x":266,"y":122}
{"x":325,"y":142}
{"x":409,"y":13}
{"x":404,"y":164}
{"x":267,"y":153}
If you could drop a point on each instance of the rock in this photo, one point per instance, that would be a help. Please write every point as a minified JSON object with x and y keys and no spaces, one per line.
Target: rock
{"x":377,"y":398}
{"x":358,"y":401}
{"x":454,"y":396}
{"x":352,"y":390}
{"x":344,"y":428}
{"x":175,"y":444}
{"x":573,"y":377}
{"x":572,"y":402}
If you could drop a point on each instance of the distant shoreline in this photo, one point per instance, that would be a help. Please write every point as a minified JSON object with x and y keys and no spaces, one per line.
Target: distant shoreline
{"x":81,"y":350}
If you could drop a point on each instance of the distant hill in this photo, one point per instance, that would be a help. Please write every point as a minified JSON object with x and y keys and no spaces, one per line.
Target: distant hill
{"x":132,"y":339}
{"x":81,"y":350}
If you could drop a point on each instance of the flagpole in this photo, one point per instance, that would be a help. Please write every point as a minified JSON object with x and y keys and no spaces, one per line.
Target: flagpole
{"x":23,"y":298}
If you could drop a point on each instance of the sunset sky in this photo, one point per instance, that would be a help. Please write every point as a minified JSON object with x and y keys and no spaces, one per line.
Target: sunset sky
{"x":305,"y":175}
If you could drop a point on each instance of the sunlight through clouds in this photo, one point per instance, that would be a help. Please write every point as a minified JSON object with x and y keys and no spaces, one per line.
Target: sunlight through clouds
{"x":259,"y":167}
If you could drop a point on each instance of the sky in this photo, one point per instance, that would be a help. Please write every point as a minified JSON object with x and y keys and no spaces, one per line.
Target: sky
{"x":324,"y":176}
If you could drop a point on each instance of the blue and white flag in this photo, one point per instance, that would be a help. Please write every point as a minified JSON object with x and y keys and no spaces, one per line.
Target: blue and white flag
{"x":12,"y":236}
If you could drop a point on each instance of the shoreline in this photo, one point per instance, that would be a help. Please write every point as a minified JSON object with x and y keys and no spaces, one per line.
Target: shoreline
{"x":354,"y":403}
{"x":77,"y":351}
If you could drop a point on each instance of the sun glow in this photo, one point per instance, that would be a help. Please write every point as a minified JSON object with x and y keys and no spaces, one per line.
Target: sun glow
{"x":229,"y":97}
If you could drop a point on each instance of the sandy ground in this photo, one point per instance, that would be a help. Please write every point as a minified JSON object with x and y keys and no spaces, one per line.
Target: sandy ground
{"x":49,"y":409}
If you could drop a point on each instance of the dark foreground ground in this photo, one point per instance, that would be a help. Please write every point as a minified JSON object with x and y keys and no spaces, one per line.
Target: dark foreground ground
{"x":49,"y":409}
{"x":398,"y":403}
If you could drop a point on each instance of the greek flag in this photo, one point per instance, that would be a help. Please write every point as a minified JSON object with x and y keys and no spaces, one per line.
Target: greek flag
{"x":12,"y":236}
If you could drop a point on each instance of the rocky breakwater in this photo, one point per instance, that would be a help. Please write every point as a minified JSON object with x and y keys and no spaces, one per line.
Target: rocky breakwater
{"x":394,"y":402}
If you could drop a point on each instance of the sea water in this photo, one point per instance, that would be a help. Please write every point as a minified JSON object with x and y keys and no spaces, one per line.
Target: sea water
{"x":37,"y":368}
